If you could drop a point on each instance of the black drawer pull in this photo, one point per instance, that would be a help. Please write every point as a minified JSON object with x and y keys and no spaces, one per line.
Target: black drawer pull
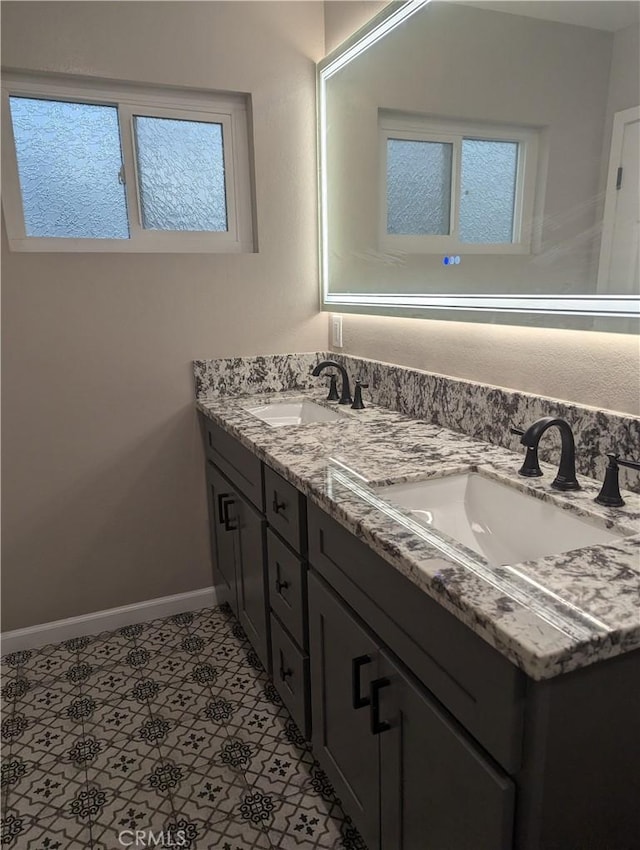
{"x":281,"y":585}
{"x":276,"y":505}
{"x":227,"y":521}
{"x":357,"y":700}
{"x":284,"y":674}
{"x":377,"y":726}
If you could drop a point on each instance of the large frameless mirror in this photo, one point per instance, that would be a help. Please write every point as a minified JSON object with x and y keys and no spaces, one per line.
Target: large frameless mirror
{"x":481,"y":161}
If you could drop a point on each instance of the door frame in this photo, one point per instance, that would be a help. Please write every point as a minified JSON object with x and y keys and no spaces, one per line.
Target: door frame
{"x":620,"y":120}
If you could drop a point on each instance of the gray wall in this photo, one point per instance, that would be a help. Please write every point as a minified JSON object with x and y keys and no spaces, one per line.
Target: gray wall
{"x":104,"y":493}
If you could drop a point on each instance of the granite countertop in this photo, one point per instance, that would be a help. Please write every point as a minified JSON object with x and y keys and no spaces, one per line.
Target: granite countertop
{"x":547,"y":616}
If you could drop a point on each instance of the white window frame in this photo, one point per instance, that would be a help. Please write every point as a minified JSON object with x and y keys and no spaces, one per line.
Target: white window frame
{"x":436,"y":130}
{"x":228,"y":110}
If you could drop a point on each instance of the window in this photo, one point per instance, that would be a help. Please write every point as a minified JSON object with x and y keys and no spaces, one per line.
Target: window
{"x":93,"y":167}
{"x":449,"y":186}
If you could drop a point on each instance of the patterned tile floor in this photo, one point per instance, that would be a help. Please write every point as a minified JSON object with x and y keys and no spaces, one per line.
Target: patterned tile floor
{"x":170,"y":726}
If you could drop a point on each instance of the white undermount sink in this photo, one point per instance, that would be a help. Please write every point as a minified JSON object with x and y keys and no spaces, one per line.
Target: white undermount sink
{"x":279,"y":414}
{"x":503,"y":525}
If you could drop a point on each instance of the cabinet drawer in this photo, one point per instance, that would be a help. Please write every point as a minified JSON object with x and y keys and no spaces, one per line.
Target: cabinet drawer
{"x":287,"y":582}
{"x":291,"y":676}
{"x":286,"y":510}
{"x":470,"y":678}
{"x":240,"y":465}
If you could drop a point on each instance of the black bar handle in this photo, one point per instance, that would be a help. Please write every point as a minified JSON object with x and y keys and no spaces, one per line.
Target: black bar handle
{"x":281,"y":585}
{"x":357,"y":700}
{"x":377,"y":725}
{"x":518,"y":431}
{"x":277,"y":506}
{"x":221,"y":498}
{"x":285,"y":672}
{"x":226,"y":519}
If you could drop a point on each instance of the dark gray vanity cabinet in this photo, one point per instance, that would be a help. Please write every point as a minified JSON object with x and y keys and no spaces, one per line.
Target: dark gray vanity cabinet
{"x":431,"y":737}
{"x":472,"y":753}
{"x":238,"y":534}
{"x":407,"y":773}
{"x":258,"y":525}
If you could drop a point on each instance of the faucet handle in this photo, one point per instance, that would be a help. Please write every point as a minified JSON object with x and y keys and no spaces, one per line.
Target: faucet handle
{"x":358,"y":404}
{"x":333,"y":388}
{"x":609,"y":494}
{"x":531,"y":466}
{"x":630,"y":464}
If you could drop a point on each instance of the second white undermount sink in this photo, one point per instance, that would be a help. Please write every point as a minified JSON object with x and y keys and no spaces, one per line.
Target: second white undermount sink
{"x":279,"y":414}
{"x":500,"y":523}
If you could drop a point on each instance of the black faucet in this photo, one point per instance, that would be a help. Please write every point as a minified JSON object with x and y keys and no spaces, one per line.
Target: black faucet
{"x":345,"y":396}
{"x":609,"y":495}
{"x":566,"y":477}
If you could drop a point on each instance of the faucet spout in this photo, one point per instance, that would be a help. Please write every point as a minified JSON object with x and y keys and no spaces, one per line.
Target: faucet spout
{"x":345,"y":396}
{"x":566,"y":477}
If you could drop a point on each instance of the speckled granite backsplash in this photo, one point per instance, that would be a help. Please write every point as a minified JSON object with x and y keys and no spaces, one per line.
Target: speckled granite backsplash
{"x":478,"y":410}
{"x":271,"y":373}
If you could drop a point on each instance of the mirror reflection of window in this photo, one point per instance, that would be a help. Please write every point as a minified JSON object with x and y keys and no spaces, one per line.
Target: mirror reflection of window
{"x":418,"y":187}
{"x":455,"y":186}
{"x":488,"y":177}
{"x":484,"y":131}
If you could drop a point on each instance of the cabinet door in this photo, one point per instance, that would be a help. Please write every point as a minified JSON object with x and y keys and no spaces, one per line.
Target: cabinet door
{"x":251,"y":575}
{"x":437,"y":788}
{"x":344,"y":660}
{"x":222,"y":498}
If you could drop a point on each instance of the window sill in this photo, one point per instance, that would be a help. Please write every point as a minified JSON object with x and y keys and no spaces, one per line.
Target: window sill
{"x":109,"y":246}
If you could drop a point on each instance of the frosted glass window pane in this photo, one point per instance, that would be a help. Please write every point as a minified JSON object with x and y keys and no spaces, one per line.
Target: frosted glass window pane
{"x":69,"y":160}
{"x":418,"y":187}
{"x":181,"y":174}
{"x":488,"y":190}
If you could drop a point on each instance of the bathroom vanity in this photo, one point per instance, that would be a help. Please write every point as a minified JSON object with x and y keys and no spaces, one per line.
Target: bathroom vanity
{"x":453,"y":702}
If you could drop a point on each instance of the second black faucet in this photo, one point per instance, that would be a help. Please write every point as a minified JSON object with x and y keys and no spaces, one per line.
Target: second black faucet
{"x":345,"y":395}
{"x":566,"y":477}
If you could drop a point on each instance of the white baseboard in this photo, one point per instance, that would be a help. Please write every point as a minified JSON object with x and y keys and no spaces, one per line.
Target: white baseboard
{"x":101,"y":621}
